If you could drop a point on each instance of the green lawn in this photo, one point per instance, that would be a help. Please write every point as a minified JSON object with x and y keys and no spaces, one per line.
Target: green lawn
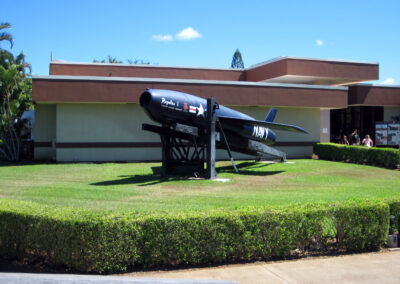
{"x":139,"y":187}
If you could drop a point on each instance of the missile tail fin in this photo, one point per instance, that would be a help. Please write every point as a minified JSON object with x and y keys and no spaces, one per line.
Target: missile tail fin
{"x":271,"y":115}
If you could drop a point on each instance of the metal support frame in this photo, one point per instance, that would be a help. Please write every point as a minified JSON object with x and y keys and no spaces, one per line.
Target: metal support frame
{"x":182,"y":156}
{"x":211,"y":121}
{"x":183,"y":150}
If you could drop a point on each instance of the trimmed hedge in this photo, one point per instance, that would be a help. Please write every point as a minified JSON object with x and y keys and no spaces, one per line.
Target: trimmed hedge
{"x":87,"y":241}
{"x":382,"y":157}
{"x":395,"y":211}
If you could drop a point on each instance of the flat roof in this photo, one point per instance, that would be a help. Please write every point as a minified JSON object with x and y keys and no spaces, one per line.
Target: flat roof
{"x":284,"y":69}
{"x":313,"y":71}
{"x":143,"y":65}
{"x":184,"y":81}
{"x":374,"y":95}
{"x":279,"y":58}
{"x":87,"y":89}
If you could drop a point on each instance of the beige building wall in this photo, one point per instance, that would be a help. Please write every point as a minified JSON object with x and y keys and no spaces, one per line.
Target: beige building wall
{"x":390,"y":111}
{"x":91,"y":123}
{"x":45,"y":131}
{"x":325,"y":127}
{"x":101,"y":123}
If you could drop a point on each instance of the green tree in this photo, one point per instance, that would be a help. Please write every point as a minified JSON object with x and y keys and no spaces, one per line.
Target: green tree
{"x":7,"y":59}
{"x":138,"y":61}
{"x":108,"y":60}
{"x":15,"y":98}
{"x":111,"y":59}
{"x":237,"y":61}
{"x":12,"y":81}
{"x":4,"y":36}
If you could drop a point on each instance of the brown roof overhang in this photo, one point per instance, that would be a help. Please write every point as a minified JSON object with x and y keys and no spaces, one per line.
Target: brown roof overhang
{"x":128,"y":90}
{"x":313,"y":71}
{"x":374,"y":95}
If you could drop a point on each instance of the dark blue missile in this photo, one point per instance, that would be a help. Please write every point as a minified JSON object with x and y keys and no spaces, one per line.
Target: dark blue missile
{"x":168,"y":107}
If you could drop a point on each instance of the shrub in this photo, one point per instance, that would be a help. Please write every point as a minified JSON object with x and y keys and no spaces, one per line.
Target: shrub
{"x":87,"y":241}
{"x":382,"y":157}
{"x":394,"y":205}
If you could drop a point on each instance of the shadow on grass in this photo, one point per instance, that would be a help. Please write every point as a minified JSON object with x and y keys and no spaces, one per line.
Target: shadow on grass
{"x":245,"y":168}
{"x":141,"y":180}
{"x":25,"y":163}
{"x":249,"y":169}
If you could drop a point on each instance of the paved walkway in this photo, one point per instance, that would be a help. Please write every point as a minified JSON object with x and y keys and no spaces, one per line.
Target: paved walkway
{"x":378,"y":267}
{"x":31,"y":278}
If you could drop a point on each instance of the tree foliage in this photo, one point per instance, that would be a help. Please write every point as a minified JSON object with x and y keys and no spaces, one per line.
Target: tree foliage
{"x":15,"y":97}
{"x":4,"y":36}
{"x":111,"y":59}
{"x":237,"y":61}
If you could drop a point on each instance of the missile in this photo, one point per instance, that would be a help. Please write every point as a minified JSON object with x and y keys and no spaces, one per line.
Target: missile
{"x":244,"y":133}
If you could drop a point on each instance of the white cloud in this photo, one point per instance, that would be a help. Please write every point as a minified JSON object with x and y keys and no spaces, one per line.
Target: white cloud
{"x":162,"y":37}
{"x":388,"y":81}
{"x":319,"y":42}
{"x":188,"y":34}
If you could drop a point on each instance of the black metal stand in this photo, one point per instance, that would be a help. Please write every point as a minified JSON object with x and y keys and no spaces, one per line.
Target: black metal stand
{"x":182,"y":157}
{"x":185,"y":149}
{"x":211,"y":120}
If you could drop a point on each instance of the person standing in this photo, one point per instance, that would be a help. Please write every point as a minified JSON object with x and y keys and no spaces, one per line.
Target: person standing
{"x":354,"y":138}
{"x":345,"y":141}
{"x":367,"y":141}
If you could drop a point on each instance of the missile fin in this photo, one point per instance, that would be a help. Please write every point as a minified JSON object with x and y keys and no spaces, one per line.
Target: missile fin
{"x":271,"y":125}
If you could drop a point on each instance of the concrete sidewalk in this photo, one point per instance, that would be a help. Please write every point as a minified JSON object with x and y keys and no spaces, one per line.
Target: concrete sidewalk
{"x":32,"y":278}
{"x":378,"y":267}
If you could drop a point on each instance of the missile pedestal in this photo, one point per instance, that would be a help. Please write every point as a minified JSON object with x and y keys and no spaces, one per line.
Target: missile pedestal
{"x":185,"y":149}
{"x":211,"y":135}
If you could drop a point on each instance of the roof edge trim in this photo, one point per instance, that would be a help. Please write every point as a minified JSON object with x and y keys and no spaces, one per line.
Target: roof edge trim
{"x":377,"y":85}
{"x":184,"y":81}
{"x":280,"y":58}
{"x":61,"y":62}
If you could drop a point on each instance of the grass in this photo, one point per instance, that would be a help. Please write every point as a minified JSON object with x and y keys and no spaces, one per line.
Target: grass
{"x":139,"y":187}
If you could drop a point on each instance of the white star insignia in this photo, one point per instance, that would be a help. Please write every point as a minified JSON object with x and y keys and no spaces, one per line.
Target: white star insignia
{"x":200,"y":111}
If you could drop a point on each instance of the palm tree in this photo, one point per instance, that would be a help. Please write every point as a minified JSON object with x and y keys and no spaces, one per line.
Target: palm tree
{"x":108,"y":60}
{"x":7,"y":59}
{"x":11,"y":80}
{"x":4,"y":36}
{"x":15,"y":96}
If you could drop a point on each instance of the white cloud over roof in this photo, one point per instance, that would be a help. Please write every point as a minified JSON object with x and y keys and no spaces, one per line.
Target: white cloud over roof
{"x":388,"y":81}
{"x":319,"y":42}
{"x":162,"y":37}
{"x":185,"y":34}
{"x":188,"y":34}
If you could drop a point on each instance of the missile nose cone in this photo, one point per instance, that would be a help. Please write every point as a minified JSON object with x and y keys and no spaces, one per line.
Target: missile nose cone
{"x":145,"y":98}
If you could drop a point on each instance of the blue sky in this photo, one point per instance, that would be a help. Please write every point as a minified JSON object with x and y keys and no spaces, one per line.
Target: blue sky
{"x":205,"y":33}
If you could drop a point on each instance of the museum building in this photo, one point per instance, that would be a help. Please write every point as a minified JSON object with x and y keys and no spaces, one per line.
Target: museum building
{"x":91,"y":111}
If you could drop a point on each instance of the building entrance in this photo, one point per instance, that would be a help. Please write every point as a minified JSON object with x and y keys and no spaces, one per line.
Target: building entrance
{"x":362,"y":118}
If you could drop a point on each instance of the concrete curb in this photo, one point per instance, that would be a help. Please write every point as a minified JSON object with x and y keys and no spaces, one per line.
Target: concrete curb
{"x":31,"y":278}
